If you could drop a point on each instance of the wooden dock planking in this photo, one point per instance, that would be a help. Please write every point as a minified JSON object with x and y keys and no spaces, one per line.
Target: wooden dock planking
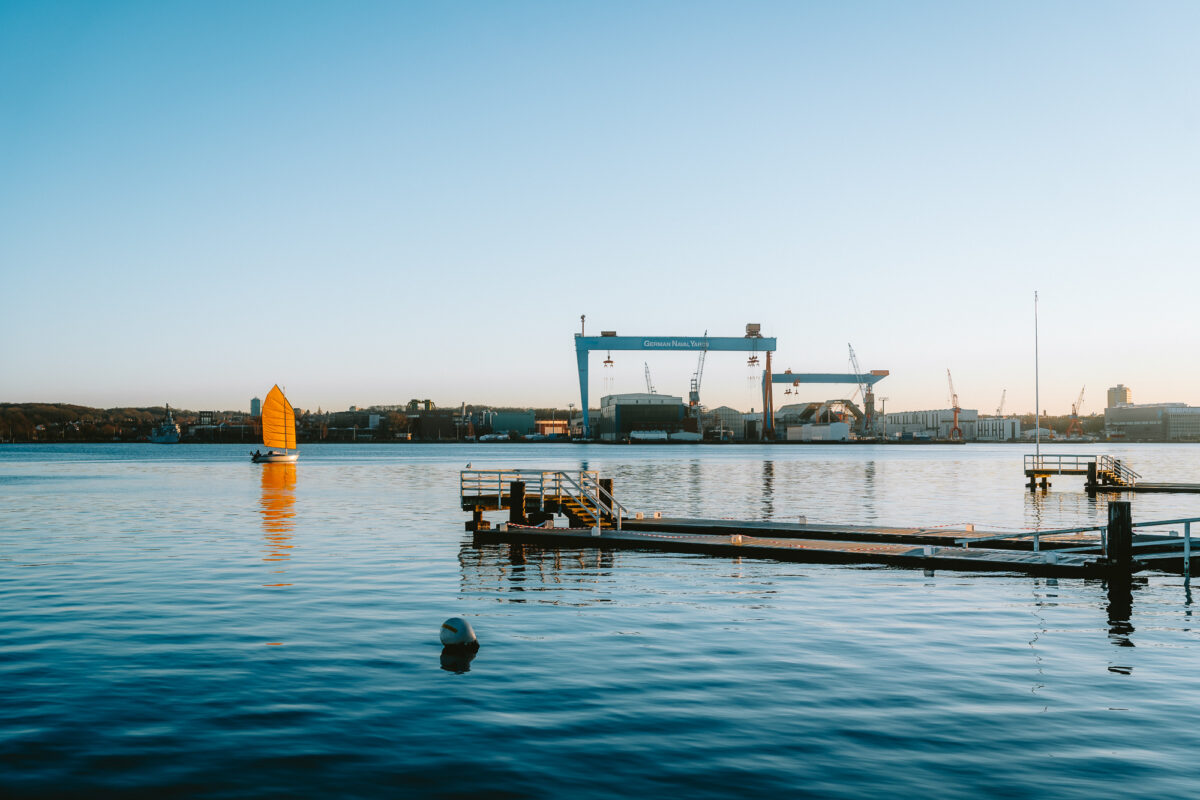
{"x":807,"y":550}
{"x":1140,"y":486}
{"x":943,"y":536}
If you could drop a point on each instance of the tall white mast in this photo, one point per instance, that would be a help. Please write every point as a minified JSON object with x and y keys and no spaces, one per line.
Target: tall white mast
{"x":1037,"y":398}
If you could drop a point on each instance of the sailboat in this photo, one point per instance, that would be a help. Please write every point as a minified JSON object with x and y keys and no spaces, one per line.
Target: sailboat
{"x":278,"y":427}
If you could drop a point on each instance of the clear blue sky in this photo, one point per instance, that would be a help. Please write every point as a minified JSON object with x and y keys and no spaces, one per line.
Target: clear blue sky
{"x":368,"y":202}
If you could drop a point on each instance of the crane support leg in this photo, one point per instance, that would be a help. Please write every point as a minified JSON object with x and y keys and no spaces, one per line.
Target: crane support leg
{"x":582,"y":357}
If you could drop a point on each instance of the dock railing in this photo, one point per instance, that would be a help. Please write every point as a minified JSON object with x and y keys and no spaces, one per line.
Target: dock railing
{"x":1076,"y":464}
{"x":581,"y":485}
{"x":1102,"y":546}
{"x":1117,"y":468}
{"x":1059,"y":463}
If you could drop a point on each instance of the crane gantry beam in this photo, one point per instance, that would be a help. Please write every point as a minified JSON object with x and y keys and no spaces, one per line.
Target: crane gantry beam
{"x":608,"y":340}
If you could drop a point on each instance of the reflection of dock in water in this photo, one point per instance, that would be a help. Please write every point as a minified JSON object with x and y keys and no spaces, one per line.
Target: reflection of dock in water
{"x":521,"y":572}
{"x":278,"y":508}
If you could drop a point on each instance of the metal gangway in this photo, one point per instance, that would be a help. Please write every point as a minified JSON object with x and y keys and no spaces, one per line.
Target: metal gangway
{"x":1163,"y":541}
{"x":1104,"y":469}
{"x":579,"y":491}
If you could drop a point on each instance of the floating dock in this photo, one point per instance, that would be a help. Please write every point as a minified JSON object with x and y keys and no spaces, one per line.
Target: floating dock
{"x":535,"y":499}
{"x":1102,"y":473}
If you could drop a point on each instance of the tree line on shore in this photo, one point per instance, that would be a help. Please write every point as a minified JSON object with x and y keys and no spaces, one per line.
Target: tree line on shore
{"x":66,"y":422}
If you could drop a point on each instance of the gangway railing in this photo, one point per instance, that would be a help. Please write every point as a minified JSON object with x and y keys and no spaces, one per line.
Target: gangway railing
{"x":1102,"y":546}
{"x":1119,"y":469}
{"x":580,"y":485}
{"x":1059,"y":463}
{"x":1107,"y":467}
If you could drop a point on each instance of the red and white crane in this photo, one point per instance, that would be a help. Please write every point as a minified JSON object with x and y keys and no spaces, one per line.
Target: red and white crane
{"x":955,"y":431}
{"x":1074,"y":426}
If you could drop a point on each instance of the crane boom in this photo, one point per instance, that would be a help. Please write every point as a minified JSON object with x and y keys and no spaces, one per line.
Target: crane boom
{"x":1000,"y":408}
{"x":955,"y":431}
{"x":1074,"y":426}
{"x":694,"y":389}
{"x":868,"y":395}
{"x":649,"y":383}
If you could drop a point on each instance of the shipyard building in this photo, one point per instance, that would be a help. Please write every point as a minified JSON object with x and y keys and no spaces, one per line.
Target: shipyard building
{"x":724,"y":423}
{"x":643,"y":416}
{"x":933,"y":424}
{"x":1149,"y":422}
{"x":998,"y":429}
{"x":1153,"y":422}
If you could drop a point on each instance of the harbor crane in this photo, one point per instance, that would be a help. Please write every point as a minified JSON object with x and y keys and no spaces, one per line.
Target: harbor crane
{"x":868,"y":394}
{"x":1074,"y":426}
{"x":955,"y":432}
{"x":649,"y":383}
{"x":1000,"y":408}
{"x":608,"y":341}
{"x":694,"y":389}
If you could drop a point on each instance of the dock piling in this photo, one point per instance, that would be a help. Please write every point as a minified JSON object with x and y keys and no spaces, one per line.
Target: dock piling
{"x":1187,"y":548}
{"x":477,"y":522}
{"x":516,"y":502}
{"x":1120,"y":534}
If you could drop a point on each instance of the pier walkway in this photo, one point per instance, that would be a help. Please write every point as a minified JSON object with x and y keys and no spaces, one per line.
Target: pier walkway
{"x":1103,"y":473}
{"x":596,"y":519}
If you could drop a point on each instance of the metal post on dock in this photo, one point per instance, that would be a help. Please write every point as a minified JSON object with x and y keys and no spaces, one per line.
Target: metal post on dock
{"x":516,"y":502}
{"x":1120,"y":534}
{"x":606,"y":485}
{"x":1092,"y":479}
{"x":1187,"y":548}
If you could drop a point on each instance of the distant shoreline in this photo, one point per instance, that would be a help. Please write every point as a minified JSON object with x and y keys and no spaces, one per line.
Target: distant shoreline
{"x":852,"y":443}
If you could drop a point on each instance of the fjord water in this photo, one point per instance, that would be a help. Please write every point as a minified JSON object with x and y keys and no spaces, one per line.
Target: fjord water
{"x":176,"y":620}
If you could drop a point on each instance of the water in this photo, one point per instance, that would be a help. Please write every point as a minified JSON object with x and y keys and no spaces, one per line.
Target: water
{"x":176,"y":620}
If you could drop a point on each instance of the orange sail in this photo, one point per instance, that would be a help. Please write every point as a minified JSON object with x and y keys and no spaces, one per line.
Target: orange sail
{"x":278,"y":421}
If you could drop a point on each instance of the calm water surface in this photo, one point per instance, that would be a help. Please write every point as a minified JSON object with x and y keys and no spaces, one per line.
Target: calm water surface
{"x":176,"y":620}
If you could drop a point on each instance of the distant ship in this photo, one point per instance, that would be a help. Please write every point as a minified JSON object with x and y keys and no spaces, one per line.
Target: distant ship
{"x":167,"y":431}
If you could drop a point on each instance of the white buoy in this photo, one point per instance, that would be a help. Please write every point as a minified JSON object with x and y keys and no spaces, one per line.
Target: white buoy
{"x":457,"y":632}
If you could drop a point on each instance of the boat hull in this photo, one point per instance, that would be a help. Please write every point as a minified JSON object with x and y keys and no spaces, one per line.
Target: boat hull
{"x":274,"y":458}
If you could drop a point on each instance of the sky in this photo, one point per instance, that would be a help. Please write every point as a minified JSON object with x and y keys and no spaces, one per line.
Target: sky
{"x":375,"y":201}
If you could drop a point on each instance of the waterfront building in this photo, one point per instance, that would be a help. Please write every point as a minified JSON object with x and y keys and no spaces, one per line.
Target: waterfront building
{"x":520,"y":423}
{"x":1153,"y":422}
{"x":997,"y":429}
{"x":255,"y":407}
{"x":1119,"y":395}
{"x":435,"y":424}
{"x":552,"y":427}
{"x":932,"y":424}
{"x":622,"y":414}
{"x":722,"y":419}
{"x":752,"y":425}
{"x":819,"y":432}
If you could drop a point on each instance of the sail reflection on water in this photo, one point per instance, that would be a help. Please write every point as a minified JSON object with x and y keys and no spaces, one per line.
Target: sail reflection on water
{"x":278,"y":507}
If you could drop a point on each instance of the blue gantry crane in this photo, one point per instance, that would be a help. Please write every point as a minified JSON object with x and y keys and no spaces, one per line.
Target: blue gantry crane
{"x":753,"y":342}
